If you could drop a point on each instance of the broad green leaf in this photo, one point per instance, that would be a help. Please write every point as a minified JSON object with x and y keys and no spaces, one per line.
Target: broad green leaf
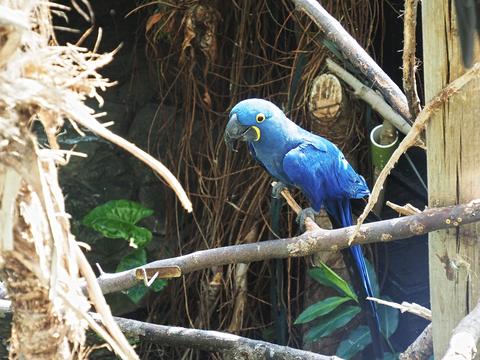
{"x":373,"y":279}
{"x":355,"y":342}
{"x":133,"y":260}
{"x":332,"y":322}
{"x":137,"y":293}
{"x":326,"y":276}
{"x":321,"y":308}
{"x":116,"y":219}
{"x":388,"y":318}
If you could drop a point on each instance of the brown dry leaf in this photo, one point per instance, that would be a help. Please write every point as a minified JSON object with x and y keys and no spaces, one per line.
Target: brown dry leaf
{"x":152,"y":20}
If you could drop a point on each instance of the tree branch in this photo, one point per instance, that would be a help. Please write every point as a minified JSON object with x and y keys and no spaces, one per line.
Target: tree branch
{"x":412,"y":137}
{"x":463,"y":343}
{"x":232,"y":346}
{"x":370,"y":96}
{"x":409,"y":61}
{"x":421,"y":348}
{"x":306,"y":244}
{"x":352,"y":51}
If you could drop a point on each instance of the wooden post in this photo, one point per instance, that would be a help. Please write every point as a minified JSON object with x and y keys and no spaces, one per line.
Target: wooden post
{"x":453,"y":142}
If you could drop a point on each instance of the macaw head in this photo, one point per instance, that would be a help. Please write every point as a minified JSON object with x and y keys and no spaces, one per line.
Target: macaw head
{"x":251,"y":120}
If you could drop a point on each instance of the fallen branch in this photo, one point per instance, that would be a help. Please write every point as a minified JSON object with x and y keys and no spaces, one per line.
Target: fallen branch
{"x":412,"y":136}
{"x":421,"y":348}
{"x":371,"y":97}
{"x":230,"y":345}
{"x":352,"y":51}
{"x":306,"y":244}
{"x":409,"y":61}
{"x":463,"y":343}
{"x":411,"y":308}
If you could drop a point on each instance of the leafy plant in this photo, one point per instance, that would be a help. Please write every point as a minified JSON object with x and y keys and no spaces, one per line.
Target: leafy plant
{"x":117,"y":219}
{"x":337,"y":311}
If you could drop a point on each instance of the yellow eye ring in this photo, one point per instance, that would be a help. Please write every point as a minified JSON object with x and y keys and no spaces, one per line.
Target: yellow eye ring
{"x":260,"y":118}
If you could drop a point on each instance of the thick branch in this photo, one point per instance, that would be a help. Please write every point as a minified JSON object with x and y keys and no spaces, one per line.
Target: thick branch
{"x":352,"y":51}
{"x":230,"y":345}
{"x":233,"y":346}
{"x":307,"y":243}
{"x":421,"y":348}
{"x":463,"y":343}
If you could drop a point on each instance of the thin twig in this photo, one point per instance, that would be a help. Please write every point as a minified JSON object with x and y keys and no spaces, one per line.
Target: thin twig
{"x":308,"y":243}
{"x":412,"y":308}
{"x":407,"y":209}
{"x":412,"y":136}
{"x":310,"y":224}
{"x":409,"y":61}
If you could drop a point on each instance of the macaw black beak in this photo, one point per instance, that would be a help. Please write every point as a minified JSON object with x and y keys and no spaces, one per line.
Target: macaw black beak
{"x":235,"y":131}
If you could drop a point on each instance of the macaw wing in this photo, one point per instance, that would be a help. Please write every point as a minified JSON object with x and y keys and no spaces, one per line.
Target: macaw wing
{"x":306,"y":166}
{"x":323,"y":174}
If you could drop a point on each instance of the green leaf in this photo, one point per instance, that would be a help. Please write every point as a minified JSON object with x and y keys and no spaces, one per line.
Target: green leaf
{"x":373,"y":279}
{"x":133,"y":260}
{"x":388,"y":318}
{"x":116,"y":220}
{"x":137,"y":293}
{"x":321,"y":308}
{"x":355,"y":342}
{"x":332,"y":322}
{"x":326,"y":276}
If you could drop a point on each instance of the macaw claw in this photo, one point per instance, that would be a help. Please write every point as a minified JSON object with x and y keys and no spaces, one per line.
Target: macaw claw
{"x":277,"y":188}
{"x":303,"y":215}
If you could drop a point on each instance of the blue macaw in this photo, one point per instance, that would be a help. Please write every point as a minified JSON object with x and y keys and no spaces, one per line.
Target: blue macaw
{"x":304,"y":160}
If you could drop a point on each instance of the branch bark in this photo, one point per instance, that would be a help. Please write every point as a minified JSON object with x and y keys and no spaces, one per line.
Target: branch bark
{"x":463,"y":343}
{"x":421,"y":348}
{"x":359,"y":58}
{"x":306,"y":244}
{"x":232,"y":346}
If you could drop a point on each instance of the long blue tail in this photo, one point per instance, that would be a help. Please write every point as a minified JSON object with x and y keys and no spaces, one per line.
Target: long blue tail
{"x":342,"y":212}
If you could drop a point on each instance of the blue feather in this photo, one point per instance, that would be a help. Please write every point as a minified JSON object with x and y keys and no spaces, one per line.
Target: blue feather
{"x":313,"y":164}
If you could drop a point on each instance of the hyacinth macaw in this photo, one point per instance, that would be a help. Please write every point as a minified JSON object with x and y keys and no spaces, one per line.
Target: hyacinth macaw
{"x":304,"y":160}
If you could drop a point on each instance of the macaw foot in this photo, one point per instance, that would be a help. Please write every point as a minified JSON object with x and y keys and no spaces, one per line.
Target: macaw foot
{"x":277,"y":188}
{"x":303,"y":215}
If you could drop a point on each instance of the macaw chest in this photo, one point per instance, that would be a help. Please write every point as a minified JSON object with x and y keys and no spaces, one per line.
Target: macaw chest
{"x":272,"y":161}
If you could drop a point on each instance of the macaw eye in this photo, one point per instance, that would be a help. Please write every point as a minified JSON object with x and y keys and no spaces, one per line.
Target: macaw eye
{"x":260,"y":118}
